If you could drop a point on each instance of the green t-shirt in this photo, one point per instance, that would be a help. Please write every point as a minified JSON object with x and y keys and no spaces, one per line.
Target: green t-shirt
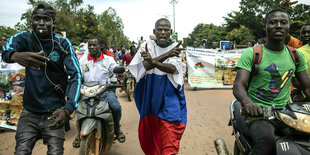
{"x":271,"y":86}
{"x":305,"y":50}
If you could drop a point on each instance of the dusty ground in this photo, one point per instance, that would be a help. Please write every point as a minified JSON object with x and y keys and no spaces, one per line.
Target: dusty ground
{"x":208,"y":116}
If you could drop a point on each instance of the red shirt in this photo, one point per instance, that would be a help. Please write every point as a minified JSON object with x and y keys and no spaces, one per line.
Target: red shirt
{"x":107,"y":52}
{"x":127,"y":58}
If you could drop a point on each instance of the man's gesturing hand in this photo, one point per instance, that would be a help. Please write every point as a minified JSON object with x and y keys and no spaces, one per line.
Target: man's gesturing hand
{"x":175,"y":52}
{"x":32,"y":60}
{"x":146,"y":55}
{"x":287,"y":3}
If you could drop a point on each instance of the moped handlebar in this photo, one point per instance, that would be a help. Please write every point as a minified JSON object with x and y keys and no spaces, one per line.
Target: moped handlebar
{"x":267,"y":112}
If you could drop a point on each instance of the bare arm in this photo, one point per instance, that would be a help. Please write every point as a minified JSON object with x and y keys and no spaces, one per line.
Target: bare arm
{"x":239,"y":87}
{"x":150,"y":63}
{"x":160,"y":58}
{"x":304,"y":80}
{"x":165,"y":67}
{"x":239,"y":91}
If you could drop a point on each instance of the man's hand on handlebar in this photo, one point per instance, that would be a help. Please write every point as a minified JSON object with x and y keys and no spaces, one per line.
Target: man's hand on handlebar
{"x":253,"y":109}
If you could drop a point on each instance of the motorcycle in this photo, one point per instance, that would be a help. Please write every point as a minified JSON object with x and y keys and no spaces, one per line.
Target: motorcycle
{"x":292,"y":138}
{"x":128,"y":81}
{"x":94,"y":119}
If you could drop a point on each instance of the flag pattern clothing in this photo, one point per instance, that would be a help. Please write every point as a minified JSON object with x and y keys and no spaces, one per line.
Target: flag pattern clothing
{"x":160,"y":101}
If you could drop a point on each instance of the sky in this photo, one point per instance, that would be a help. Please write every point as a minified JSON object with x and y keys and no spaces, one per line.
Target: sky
{"x":139,"y":16}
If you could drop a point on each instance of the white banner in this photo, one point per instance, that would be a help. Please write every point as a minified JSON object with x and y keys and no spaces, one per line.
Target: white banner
{"x":209,"y":68}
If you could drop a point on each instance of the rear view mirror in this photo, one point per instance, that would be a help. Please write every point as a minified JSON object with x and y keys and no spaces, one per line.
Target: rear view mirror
{"x":118,"y":70}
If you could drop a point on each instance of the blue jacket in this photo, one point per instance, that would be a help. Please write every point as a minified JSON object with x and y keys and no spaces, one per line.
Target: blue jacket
{"x":40,"y":95}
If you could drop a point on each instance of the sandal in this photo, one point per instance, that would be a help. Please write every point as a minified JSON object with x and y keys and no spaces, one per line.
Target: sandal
{"x":76,"y":142}
{"x":120,"y":137}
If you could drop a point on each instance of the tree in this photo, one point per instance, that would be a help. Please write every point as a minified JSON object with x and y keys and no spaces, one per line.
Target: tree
{"x":8,"y":31}
{"x":111,"y":27}
{"x":240,"y":35}
{"x":80,"y":23}
{"x":210,"y":32}
{"x":299,"y":16}
{"x":252,"y":14}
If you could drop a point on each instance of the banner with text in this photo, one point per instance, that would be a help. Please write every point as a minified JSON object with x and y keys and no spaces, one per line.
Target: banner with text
{"x":210,"y":68}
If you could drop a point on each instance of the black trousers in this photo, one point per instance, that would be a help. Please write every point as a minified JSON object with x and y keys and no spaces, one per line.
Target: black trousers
{"x":34,"y":126}
{"x":262,"y":133}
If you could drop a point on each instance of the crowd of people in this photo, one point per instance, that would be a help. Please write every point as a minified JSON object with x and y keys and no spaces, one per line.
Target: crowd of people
{"x":55,"y":70}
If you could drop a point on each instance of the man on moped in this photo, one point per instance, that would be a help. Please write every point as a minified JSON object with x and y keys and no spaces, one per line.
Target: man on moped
{"x":97,"y":67}
{"x":271,"y":85}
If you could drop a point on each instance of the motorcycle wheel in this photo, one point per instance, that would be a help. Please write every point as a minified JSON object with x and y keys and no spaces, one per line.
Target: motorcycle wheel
{"x":236,"y":149}
{"x":130,"y":90}
{"x":90,"y":145}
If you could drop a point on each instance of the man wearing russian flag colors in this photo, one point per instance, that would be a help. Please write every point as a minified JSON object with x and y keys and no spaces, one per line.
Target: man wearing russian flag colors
{"x":159,"y":92}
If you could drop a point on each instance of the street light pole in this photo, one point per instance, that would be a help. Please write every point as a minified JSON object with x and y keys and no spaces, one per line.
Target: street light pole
{"x":173,"y":2}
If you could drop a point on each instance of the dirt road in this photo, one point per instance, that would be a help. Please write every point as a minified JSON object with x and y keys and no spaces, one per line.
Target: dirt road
{"x":207,"y":119}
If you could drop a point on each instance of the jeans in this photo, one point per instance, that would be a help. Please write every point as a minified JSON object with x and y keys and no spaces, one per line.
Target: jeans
{"x":34,"y":126}
{"x":115,"y":107}
{"x":262,"y":133}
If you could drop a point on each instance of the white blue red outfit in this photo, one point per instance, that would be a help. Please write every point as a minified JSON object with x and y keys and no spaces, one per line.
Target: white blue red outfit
{"x":160,"y":100}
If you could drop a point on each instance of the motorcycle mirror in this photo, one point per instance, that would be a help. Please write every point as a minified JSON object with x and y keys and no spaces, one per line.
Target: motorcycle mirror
{"x":118,"y":70}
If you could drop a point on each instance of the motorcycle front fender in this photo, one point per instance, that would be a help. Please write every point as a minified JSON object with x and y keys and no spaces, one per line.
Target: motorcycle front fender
{"x":90,"y":124}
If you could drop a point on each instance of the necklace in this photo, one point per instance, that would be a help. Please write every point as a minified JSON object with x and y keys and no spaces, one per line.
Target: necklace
{"x":41,"y":44}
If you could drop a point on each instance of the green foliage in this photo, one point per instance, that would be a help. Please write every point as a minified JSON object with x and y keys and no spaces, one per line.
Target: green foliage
{"x":210,"y":32}
{"x":8,"y":31}
{"x":240,"y":35}
{"x":252,"y":15}
{"x":299,"y":16}
{"x":248,"y":23}
{"x":80,"y":23}
{"x":112,"y":27}
{"x":242,"y":26}
{"x":295,"y":27}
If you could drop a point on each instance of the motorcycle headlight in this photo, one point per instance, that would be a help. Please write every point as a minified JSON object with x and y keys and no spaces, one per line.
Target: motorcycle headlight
{"x":91,"y":91}
{"x":302,"y":123}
